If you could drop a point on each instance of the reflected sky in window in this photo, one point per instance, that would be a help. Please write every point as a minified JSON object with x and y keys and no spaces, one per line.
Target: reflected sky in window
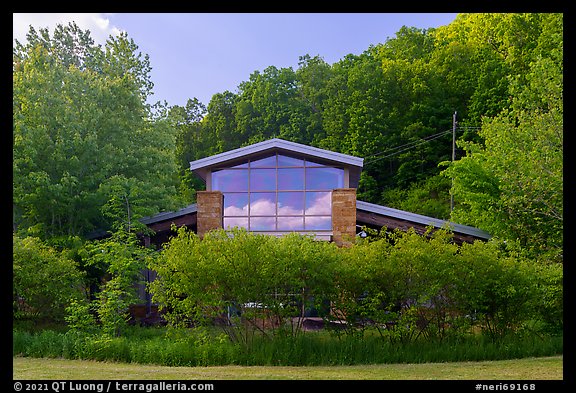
{"x":278,"y":193}
{"x":318,"y":203}
{"x":263,"y":204}
{"x":230,"y":180}
{"x":319,"y":223}
{"x":291,"y":223}
{"x":289,"y":161}
{"x":231,"y":222}
{"x":235,"y":204}
{"x":268,"y":162}
{"x":291,"y":179}
{"x":290,"y":203}
{"x":262,"y":179}
{"x":324,"y":178}
{"x":262,"y":223}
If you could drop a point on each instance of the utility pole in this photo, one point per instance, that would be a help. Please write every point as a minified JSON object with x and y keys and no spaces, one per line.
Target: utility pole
{"x":453,"y":158}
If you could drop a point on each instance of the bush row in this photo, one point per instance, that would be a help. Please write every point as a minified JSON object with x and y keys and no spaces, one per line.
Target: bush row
{"x":402,"y":285}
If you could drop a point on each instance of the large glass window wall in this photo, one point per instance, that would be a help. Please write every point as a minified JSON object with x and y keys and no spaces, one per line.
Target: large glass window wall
{"x":278,"y":193}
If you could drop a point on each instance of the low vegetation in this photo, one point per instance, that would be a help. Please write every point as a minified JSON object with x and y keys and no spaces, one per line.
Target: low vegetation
{"x":401,"y":287}
{"x":200,"y":347}
{"x":241,"y":298}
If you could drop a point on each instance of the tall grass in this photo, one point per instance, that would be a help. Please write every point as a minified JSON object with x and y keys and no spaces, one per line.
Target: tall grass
{"x":191,"y":348}
{"x":308,"y":350}
{"x":146,"y":349}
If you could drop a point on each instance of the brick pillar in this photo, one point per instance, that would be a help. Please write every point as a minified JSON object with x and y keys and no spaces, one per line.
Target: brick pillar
{"x":209,"y":211}
{"x":344,"y":216}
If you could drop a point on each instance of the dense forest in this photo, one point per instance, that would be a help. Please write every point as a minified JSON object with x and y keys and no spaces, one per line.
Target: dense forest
{"x":90,"y":153}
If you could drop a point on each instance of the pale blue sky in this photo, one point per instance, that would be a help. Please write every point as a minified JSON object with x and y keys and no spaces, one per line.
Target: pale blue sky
{"x":201,"y":54}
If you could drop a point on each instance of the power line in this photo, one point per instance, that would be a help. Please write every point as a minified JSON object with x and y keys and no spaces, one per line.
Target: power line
{"x":414,"y":144}
{"x":407,"y":146}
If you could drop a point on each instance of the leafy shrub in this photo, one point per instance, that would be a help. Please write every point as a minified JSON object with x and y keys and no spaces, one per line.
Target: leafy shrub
{"x":248,"y":283}
{"x":403,"y":285}
{"x":548,"y":302}
{"x":121,"y":257}
{"x":45,"y":282}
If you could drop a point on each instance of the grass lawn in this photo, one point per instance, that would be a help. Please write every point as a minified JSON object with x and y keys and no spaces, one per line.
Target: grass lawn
{"x":545,"y":368}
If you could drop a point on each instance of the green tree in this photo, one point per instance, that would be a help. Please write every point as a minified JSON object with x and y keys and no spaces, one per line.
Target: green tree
{"x":270,"y":105}
{"x":312,"y":78}
{"x":429,"y":197}
{"x":190,"y":144}
{"x":335,"y":119}
{"x":80,"y":119}
{"x":495,"y":286}
{"x":512,"y":184}
{"x":220,"y":124}
{"x":477,"y":53}
{"x":389,"y":106}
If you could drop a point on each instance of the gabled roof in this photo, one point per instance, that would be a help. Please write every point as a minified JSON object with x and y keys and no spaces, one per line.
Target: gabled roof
{"x":420,"y":219}
{"x":203,"y":165}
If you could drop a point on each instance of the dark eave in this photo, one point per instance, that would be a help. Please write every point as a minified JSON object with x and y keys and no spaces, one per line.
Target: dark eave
{"x":369,"y":214}
{"x":168,"y":215}
{"x":378,"y":215}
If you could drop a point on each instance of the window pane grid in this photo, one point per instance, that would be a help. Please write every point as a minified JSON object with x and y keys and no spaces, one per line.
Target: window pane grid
{"x":252,"y":163}
{"x":266,"y":195}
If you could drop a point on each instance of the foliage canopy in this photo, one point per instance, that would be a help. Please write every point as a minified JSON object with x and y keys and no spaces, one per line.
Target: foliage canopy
{"x":83,"y":135}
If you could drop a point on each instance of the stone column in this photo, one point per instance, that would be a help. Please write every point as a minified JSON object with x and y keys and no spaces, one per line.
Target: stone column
{"x":209,"y":211}
{"x":344,"y":216}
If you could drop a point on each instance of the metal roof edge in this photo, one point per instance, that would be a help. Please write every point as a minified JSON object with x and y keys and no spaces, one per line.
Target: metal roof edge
{"x":360,"y":205}
{"x":352,"y":160}
{"x":168,"y":215}
{"x":279,"y":144}
{"x":421,"y":219}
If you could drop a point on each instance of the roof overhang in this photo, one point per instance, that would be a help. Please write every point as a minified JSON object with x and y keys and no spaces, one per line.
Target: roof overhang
{"x":422,"y":220}
{"x":203,"y":166}
{"x":397,"y":215}
{"x":164,"y":216}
